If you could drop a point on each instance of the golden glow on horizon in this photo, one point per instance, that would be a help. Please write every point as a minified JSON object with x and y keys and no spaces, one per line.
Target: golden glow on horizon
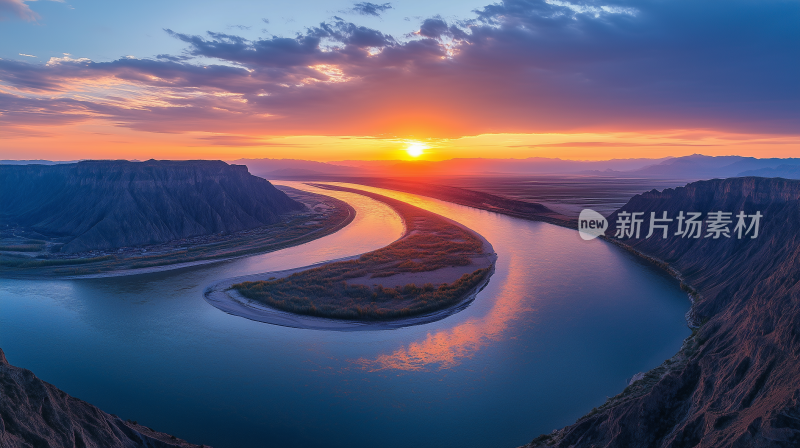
{"x":97,"y":139}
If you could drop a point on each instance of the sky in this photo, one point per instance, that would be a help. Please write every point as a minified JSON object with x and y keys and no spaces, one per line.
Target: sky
{"x":337,"y":80}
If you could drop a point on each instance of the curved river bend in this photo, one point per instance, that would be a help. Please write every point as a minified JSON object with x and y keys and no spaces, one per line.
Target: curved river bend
{"x":561,"y":325}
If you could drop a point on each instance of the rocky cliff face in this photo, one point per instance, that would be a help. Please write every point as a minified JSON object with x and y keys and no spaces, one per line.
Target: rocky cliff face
{"x":737,"y":383}
{"x":37,"y":414}
{"x":108,"y":204}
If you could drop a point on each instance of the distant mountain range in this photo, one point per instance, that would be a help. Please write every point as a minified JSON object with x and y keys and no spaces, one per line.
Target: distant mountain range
{"x":288,"y":168}
{"x":736,"y":383}
{"x":705,"y":167}
{"x":694,"y":167}
{"x":101,"y":205}
{"x":294,"y":167}
{"x":784,"y":171}
{"x":33,"y":162}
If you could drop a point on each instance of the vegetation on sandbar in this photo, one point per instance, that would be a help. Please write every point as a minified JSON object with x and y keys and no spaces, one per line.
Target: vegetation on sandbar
{"x":317,"y":295}
{"x":431,"y":242}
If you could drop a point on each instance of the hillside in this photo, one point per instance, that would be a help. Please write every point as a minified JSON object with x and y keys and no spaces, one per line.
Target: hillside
{"x":101,"y":205}
{"x":736,"y":383}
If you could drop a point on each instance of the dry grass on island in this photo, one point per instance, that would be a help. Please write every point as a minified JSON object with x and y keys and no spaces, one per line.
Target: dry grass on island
{"x":433,"y":266}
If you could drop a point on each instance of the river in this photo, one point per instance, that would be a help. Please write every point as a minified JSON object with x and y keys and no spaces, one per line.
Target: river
{"x":561,"y":325}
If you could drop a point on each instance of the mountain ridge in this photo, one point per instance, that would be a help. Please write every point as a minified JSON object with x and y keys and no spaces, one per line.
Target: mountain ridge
{"x":692,"y":167}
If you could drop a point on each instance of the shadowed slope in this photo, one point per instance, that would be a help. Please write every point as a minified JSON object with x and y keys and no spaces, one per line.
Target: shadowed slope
{"x":100,"y":205}
{"x":736,"y":382}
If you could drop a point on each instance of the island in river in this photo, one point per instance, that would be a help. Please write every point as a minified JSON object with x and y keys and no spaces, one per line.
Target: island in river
{"x":436,"y":267}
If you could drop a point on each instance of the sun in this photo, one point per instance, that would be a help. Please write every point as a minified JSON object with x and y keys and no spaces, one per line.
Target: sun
{"x":416,"y":149}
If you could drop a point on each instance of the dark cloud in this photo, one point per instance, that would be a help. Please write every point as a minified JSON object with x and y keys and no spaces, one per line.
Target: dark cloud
{"x":28,"y":76}
{"x":17,"y":110}
{"x":437,"y":28}
{"x":275,"y":52}
{"x":433,"y":28}
{"x":517,"y":66}
{"x":370,"y":9}
{"x":173,"y":58}
{"x":350,"y":34}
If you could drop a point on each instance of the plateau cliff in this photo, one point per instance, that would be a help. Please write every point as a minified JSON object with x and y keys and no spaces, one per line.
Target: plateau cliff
{"x":102,"y":205}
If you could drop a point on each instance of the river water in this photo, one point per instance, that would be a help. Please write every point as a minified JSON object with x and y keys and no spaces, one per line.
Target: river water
{"x":561,"y":325}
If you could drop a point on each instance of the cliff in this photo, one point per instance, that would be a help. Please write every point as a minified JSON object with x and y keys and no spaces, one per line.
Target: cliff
{"x":34,"y":413}
{"x":736,"y":383}
{"x":101,"y":205}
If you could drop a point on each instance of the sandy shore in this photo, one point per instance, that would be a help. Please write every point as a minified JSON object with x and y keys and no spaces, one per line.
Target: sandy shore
{"x":221,"y":295}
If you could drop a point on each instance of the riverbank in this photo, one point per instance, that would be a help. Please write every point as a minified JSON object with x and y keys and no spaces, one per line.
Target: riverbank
{"x":435,"y":255}
{"x":323,"y":216}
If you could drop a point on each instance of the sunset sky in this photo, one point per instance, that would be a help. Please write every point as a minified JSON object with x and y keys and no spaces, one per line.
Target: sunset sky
{"x":336,"y":80}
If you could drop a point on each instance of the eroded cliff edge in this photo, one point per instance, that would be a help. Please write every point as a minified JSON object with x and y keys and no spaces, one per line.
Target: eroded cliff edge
{"x":736,"y":382}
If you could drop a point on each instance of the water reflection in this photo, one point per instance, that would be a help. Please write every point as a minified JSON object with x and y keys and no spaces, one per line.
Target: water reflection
{"x":444,"y":349}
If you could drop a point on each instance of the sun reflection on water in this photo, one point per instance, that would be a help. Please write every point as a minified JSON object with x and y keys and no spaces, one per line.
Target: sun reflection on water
{"x":446,"y":348}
